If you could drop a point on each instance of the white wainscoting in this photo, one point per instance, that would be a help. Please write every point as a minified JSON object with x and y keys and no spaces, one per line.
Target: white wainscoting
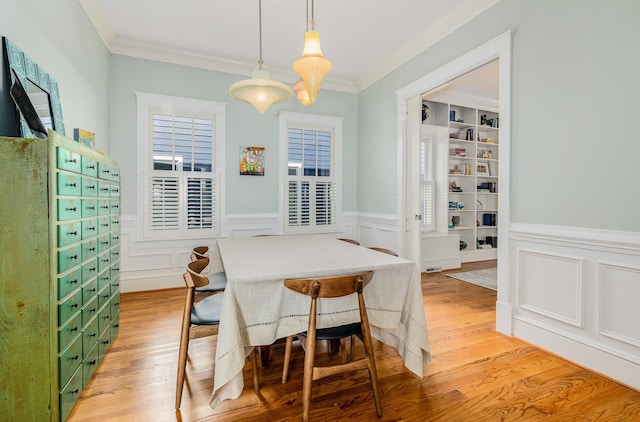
{"x":577,"y":294}
{"x":377,"y":230}
{"x":159,"y":264}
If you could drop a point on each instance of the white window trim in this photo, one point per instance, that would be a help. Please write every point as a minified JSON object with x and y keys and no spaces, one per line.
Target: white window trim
{"x":148,"y":103}
{"x":315,"y":120}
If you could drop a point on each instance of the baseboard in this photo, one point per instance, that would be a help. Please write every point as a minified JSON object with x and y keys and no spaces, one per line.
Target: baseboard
{"x":592,"y":357}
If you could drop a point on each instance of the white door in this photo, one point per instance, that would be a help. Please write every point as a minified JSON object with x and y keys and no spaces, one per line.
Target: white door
{"x":412,"y":181}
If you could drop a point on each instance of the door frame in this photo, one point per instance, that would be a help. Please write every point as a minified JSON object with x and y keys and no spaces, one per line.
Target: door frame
{"x":497,"y":48}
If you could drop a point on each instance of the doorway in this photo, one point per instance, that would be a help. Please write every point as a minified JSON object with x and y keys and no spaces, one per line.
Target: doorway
{"x":409,"y":122}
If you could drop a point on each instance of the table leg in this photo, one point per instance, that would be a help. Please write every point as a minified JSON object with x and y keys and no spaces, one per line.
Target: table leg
{"x":264,"y":355}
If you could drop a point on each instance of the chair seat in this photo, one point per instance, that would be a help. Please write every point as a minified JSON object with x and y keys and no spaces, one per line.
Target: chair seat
{"x":217,"y":283}
{"x":207,"y":311}
{"x":336,"y":333}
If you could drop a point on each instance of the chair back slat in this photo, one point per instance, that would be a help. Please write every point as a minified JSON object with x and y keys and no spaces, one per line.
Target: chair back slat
{"x":194,"y":268}
{"x":334,"y":286}
{"x":384,"y":250}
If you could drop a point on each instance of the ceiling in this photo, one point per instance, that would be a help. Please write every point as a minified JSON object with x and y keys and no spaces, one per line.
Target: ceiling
{"x":364,"y":39}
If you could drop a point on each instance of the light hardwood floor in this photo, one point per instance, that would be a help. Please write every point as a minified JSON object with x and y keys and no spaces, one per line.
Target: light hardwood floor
{"x":476,"y":374}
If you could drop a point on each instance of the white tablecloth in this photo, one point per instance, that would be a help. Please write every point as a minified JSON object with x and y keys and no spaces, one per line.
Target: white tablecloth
{"x":257,"y":308}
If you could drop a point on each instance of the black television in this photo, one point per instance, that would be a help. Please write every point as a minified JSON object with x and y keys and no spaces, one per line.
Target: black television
{"x":29,"y":114}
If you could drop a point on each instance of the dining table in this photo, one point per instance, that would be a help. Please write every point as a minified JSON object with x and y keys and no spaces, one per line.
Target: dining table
{"x":257,"y":309}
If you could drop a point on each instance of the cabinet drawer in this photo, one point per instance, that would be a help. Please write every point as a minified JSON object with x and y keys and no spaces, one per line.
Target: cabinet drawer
{"x":115,"y":175}
{"x":68,"y":331}
{"x":89,"y":336}
{"x":89,"y":166}
{"x":69,"y":258}
{"x":115,"y":190}
{"x":115,"y":304}
{"x":69,"y":184}
{"x":115,"y":238}
{"x":104,"y":261}
{"x":114,"y":206}
{"x":115,"y":326}
{"x":90,"y":269}
{"x":105,"y":171}
{"x":90,"y":363}
{"x":104,"y":225}
{"x":89,"y":207}
{"x":89,"y":291}
{"x":103,"y":299}
{"x":115,"y":223}
{"x":103,"y":243}
{"x":70,"y":360}
{"x":104,"y":188}
{"x":69,"y":233}
{"x":68,"y":209}
{"x":103,"y":207}
{"x":70,"y":394}
{"x":115,"y":280}
{"x":69,"y":306}
{"x":89,"y":311}
{"x":115,"y":254}
{"x":67,"y":283}
{"x":89,"y":228}
{"x":89,"y":187}
{"x":90,"y":248}
{"x":104,"y":315}
{"x":103,"y":344}
{"x":68,"y":160}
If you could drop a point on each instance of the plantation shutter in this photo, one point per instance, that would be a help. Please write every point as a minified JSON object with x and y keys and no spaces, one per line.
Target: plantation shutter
{"x":427,"y":191}
{"x":312,"y":195}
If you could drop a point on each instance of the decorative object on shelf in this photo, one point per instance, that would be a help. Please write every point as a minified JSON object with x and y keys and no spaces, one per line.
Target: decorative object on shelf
{"x":479,"y":204}
{"x":455,"y":220}
{"x":463,"y":245}
{"x":482,"y":168}
{"x":453,"y":205}
{"x":453,"y":187}
{"x":251,"y":161}
{"x":312,"y":66}
{"x":460,"y":205}
{"x":260,"y":91}
{"x":426,"y":112}
{"x":85,"y":137}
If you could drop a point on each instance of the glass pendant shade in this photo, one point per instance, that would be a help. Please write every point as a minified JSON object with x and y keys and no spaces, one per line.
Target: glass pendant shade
{"x":260,"y":91}
{"x":301,"y":93}
{"x":312,"y":66}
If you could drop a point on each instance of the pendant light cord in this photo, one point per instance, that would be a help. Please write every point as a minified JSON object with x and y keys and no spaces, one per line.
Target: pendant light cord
{"x":260,"y":62}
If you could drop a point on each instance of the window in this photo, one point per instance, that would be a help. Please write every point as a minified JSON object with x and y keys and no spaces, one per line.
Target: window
{"x":427,"y":186}
{"x":180,"y":154}
{"x":310,"y":149}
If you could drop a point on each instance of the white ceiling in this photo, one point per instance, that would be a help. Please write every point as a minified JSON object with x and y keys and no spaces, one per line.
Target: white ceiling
{"x":365,"y":39}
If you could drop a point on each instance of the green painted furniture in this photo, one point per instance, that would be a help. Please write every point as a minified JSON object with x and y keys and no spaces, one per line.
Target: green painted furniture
{"x":59,"y":272}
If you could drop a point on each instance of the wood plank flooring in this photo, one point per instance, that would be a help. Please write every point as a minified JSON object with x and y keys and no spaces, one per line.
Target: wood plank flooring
{"x":476,"y":374}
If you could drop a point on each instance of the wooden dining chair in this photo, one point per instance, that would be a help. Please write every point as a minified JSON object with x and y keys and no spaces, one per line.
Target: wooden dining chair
{"x":217,"y":280}
{"x":344,"y":239}
{"x":203,"y":313}
{"x":332,"y":287}
{"x":384,"y":250}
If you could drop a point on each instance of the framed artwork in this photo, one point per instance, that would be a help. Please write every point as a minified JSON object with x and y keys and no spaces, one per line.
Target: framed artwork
{"x":482,"y":168}
{"x":251,"y":161}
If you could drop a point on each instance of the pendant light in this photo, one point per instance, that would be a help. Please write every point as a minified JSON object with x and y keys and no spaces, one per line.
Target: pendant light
{"x":260,"y":91}
{"x":312,"y":66}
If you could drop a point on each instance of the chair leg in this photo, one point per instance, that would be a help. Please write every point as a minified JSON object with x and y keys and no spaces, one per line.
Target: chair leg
{"x":309,"y":361}
{"x":371,"y":363}
{"x":254,"y":366}
{"x":182,"y":354}
{"x":287,"y":358}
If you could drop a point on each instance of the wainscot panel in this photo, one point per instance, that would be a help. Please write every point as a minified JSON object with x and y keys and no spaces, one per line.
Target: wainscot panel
{"x":576,"y":296}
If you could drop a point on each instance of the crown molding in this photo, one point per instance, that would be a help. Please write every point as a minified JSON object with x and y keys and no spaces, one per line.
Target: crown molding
{"x":99,"y":21}
{"x":425,"y":39}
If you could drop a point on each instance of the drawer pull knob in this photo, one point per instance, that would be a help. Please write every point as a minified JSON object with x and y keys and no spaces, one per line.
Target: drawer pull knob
{"x":73,"y":160}
{"x":73,"y":281}
{"x":73,"y":257}
{"x":73,"y":233}
{"x":72,"y":209}
{"x":74,"y":391}
{"x":74,"y":329}
{"x":93,"y":362}
{"x":75,"y":305}
{"x":74,"y":358}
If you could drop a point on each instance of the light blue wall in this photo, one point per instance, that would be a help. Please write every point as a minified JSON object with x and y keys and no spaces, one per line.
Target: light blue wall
{"x":244,"y":126}
{"x":60,"y":38}
{"x":575,"y":92}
